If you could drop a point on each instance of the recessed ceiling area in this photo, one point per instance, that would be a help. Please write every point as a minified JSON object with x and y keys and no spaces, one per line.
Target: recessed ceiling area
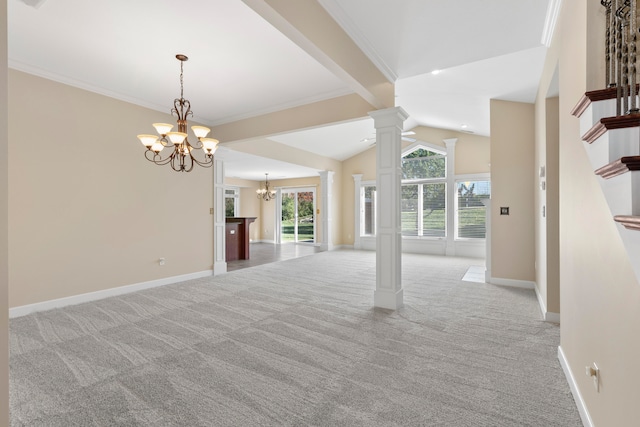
{"x":247,"y":166}
{"x":339,"y":141}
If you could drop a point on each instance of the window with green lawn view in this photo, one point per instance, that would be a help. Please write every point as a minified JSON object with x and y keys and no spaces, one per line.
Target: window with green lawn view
{"x":369,"y":211}
{"x":424,"y":200}
{"x":471,"y":214}
{"x":424,"y":196}
{"x":298,"y":219}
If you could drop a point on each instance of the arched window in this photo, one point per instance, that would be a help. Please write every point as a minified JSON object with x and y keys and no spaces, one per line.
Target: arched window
{"x":437,"y":205}
{"x":424,"y":192}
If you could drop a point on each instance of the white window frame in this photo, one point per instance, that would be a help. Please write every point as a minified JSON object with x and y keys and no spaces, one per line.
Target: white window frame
{"x":420,"y":182}
{"x":463,"y":178}
{"x":236,"y":199}
{"x":278,"y":218}
{"x":363,"y":184}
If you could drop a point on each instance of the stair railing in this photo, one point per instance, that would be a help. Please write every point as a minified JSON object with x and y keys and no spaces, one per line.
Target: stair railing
{"x":620,"y":53}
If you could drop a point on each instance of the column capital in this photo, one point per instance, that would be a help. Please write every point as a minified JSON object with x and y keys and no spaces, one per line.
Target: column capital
{"x":328,"y":175}
{"x":357,"y":177}
{"x":450,"y":142}
{"x":394,"y":116}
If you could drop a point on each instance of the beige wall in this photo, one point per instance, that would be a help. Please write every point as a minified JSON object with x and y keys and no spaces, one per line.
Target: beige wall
{"x":512,"y":154}
{"x":87,"y":212}
{"x":4,"y":284}
{"x":472,"y":156}
{"x":599,"y":294}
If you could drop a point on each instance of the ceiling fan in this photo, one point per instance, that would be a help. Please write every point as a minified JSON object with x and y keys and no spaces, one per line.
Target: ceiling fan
{"x":405,"y":137}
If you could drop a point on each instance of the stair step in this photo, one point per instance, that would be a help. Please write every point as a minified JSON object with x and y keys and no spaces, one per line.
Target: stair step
{"x":609,"y":123}
{"x":597,"y":95}
{"x":628,"y":221}
{"x":593,"y":96}
{"x":620,"y":166}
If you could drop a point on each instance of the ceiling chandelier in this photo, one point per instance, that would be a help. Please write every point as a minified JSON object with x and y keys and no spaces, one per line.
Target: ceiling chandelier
{"x":266,"y":193}
{"x":181,"y":157}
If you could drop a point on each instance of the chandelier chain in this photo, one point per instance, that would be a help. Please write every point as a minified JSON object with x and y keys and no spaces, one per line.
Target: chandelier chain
{"x":181,"y":80}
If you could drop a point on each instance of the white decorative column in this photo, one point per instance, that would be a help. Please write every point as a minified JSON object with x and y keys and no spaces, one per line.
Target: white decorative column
{"x":487,"y":257}
{"x":277,"y":224}
{"x":219,"y":220}
{"x":357,"y":227}
{"x":326,"y":184}
{"x":451,"y":196}
{"x":388,"y":124}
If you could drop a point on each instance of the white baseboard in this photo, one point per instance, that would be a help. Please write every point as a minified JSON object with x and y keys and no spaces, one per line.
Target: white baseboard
{"x":582,"y":408}
{"x":513,"y":283}
{"x":273,"y":242}
{"x":105,"y":293}
{"x":552,"y":317}
{"x":547,"y":316}
{"x":343,"y":247}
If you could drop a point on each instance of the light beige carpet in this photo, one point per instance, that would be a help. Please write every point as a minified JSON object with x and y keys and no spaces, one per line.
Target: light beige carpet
{"x":295,"y":343}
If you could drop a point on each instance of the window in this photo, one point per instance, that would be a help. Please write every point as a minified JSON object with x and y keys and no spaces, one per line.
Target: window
{"x":423,"y":164}
{"x":471,"y":213}
{"x":410,"y":211}
{"x":434,"y":215}
{"x":434,"y":202}
{"x":231,"y":202}
{"x":424,"y":196}
{"x":369,"y":211}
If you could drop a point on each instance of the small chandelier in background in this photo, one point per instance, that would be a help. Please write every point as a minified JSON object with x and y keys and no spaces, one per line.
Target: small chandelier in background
{"x":266,"y":193}
{"x":182,"y":157}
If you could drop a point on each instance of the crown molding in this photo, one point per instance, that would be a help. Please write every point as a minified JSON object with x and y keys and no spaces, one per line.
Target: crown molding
{"x":39,"y":72}
{"x":553,"y":10}
{"x":340,"y":16}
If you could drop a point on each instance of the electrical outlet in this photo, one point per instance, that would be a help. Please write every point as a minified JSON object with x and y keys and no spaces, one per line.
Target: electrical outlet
{"x":594,"y":372}
{"x":161,"y":261}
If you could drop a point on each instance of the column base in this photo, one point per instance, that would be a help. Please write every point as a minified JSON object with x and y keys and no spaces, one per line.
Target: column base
{"x":219,"y":268}
{"x":326,"y":247}
{"x":391,"y":300}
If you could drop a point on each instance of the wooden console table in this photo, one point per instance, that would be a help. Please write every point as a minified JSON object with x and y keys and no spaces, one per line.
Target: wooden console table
{"x":237,"y":237}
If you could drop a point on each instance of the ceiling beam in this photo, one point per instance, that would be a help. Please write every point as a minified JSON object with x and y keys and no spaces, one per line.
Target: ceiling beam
{"x":309,"y":25}
{"x":316,"y":114}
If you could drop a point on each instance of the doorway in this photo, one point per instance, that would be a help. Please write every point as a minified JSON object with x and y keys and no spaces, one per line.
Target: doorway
{"x":297,"y":215}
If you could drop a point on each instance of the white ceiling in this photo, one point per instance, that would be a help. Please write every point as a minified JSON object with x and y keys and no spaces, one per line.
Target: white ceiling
{"x":248,"y":166}
{"x":240,"y":66}
{"x":339,"y":141}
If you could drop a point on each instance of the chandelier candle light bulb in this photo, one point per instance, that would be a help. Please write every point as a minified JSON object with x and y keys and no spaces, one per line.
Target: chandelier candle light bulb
{"x":182,"y":157}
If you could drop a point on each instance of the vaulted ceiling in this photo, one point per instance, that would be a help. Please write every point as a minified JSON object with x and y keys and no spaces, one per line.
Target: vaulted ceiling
{"x":242,"y":65}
